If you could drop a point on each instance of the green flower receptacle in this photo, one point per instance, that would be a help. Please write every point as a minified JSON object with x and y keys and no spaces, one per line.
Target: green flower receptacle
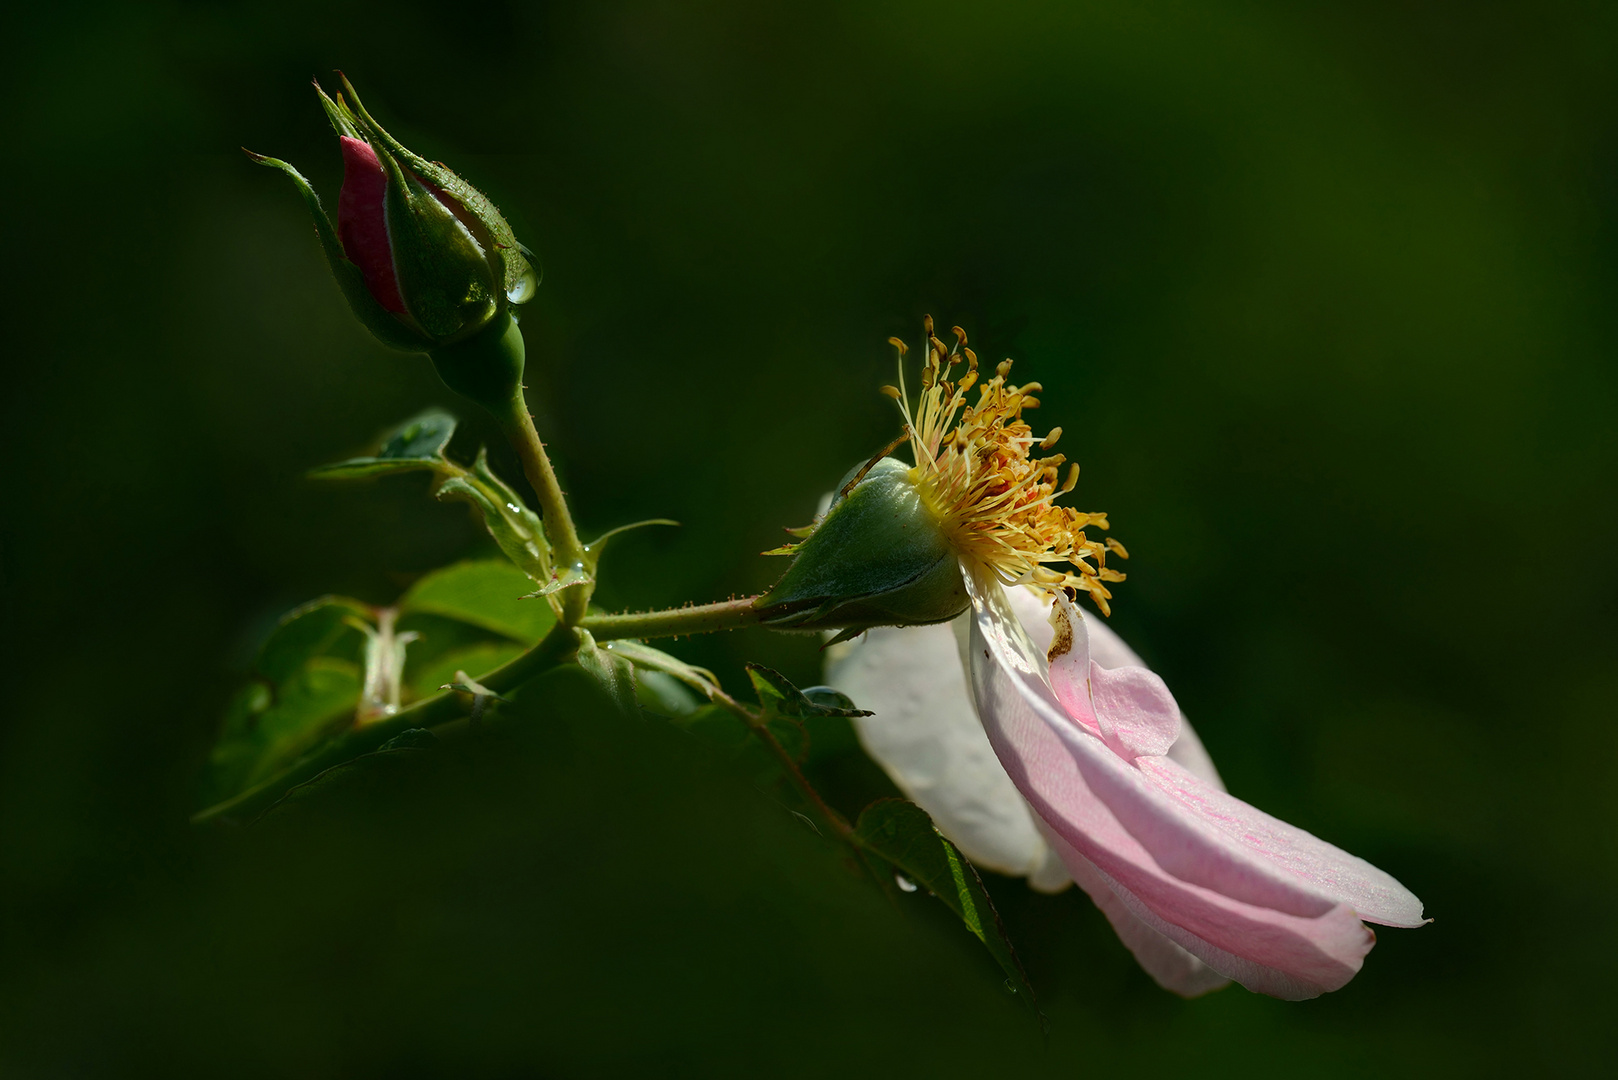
{"x":878,"y":557}
{"x":486,"y":367}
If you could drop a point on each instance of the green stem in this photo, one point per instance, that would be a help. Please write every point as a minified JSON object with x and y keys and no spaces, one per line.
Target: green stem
{"x":428,"y":712}
{"x":674,"y":622}
{"x":837,"y":822}
{"x":488,"y":367}
{"x":518,"y":426}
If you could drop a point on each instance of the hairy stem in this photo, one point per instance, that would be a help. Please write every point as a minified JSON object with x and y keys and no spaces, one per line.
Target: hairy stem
{"x":518,"y":427}
{"x":674,"y":622}
{"x":838,"y":824}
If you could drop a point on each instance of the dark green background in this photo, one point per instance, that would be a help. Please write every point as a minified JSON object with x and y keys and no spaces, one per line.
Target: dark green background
{"x":1321,"y":294}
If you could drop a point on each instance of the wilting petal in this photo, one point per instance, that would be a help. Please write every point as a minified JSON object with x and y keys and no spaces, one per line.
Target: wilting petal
{"x":1233,"y":906}
{"x":925,"y":733}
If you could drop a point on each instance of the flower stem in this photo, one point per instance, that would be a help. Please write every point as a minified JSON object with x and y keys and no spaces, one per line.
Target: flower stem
{"x":518,"y":426}
{"x":674,"y":622}
{"x":426,"y":713}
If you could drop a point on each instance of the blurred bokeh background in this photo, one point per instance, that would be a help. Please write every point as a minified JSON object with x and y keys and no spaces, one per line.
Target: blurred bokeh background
{"x":1322,"y":296}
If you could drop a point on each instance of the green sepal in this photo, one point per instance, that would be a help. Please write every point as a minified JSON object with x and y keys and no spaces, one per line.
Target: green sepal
{"x":877,"y":558}
{"x":903,"y":835}
{"x":444,"y":276}
{"x":416,"y":444}
{"x":387,"y":327}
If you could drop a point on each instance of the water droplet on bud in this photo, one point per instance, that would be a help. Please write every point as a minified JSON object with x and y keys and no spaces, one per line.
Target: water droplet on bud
{"x":522,"y":290}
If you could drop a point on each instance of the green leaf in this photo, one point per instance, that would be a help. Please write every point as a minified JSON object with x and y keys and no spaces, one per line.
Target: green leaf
{"x":725,"y":731}
{"x":647,"y":658}
{"x":485,"y":593}
{"x":780,"y":697}
{"x":261,"y":737}
{"x":416,"y":738}
{"x":614,"y":672}
{"x":661,"y":693}
{"x":476,"y":660}
{"x":718,"y":727}
{"x":306,"y":632}
{"x":418,"y":443}
{"x":902,"y":834}
{"x":515,"y":528}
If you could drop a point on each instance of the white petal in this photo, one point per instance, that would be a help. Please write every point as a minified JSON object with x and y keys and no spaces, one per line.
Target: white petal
{"x":925,"y":734}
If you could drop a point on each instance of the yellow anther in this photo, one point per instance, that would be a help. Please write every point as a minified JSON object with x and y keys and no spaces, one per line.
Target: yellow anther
{"x":976,"y":471}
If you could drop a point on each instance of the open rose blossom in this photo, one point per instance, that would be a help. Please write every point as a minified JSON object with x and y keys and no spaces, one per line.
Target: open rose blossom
{"x":1069,"y":758}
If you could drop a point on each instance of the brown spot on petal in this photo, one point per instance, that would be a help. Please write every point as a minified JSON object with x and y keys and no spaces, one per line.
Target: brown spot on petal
{"x":1062,"y":643}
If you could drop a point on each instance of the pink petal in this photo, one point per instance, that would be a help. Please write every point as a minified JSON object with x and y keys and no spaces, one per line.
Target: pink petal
{"x":362,"y":222}
{"x":1374,"y":895}
{"x":1220,"y":900}
{"x":1134,"y":708}
{"x":1110,"y":651}
{"x":1170,"y":965}
{"x":1130,"y":706}
{"x":1137,"y":713}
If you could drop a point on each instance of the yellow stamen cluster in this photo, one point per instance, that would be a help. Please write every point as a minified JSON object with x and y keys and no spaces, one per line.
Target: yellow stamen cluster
{"x":975,"y":472}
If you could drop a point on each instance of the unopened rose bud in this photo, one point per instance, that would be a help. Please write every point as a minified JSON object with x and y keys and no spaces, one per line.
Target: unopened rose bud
{"x":426,"y":261}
